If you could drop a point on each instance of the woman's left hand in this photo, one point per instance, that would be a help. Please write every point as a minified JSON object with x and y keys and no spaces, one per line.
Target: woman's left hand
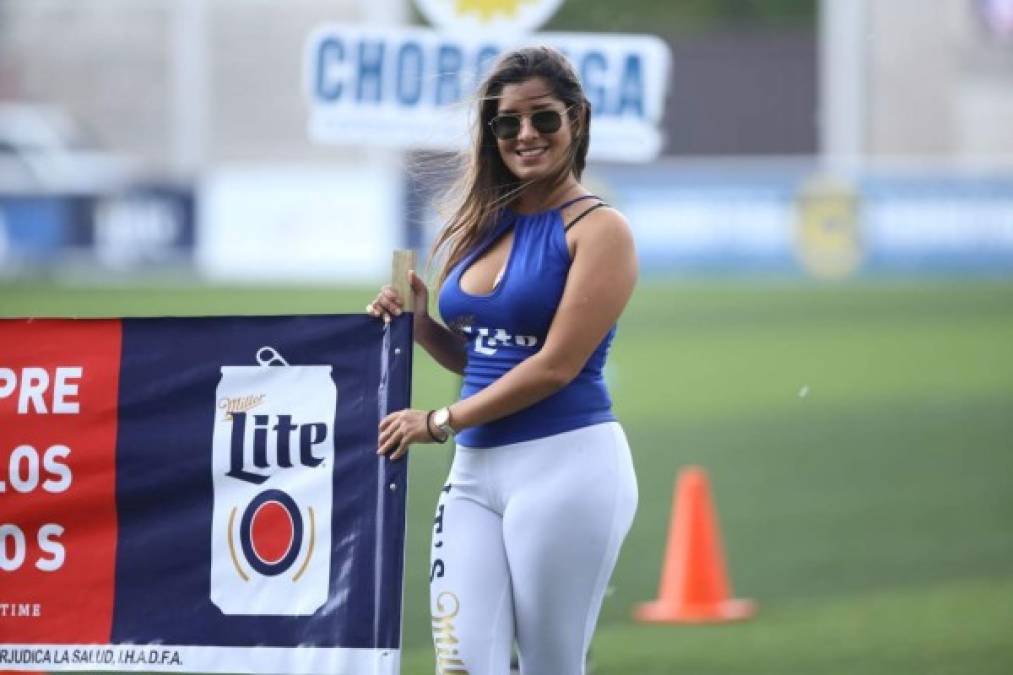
{"x":400,"y":429}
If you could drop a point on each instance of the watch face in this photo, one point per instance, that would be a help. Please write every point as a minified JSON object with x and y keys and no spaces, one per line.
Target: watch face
{"x":441,"y":417}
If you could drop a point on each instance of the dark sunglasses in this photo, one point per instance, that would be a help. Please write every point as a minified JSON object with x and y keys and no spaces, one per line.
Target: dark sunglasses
{"x":508,"y":127}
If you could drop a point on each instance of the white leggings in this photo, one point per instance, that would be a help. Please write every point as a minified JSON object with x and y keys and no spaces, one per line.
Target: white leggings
{"x":525,"y":538}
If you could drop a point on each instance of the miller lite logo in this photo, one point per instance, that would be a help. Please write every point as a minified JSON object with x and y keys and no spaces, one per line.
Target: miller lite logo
{"x":488,"y":341}
{"x":273,"y":457}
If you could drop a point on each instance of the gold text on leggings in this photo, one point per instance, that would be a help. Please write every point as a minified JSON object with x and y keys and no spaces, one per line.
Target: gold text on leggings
{"x":447,"y":656}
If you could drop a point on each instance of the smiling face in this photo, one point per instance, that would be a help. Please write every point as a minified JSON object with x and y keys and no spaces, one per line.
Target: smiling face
{"x":533,"y":155}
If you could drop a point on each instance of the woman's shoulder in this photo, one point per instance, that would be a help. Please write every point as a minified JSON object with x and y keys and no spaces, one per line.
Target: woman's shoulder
{"x":594,"y":219}
{"x":597,"y":227}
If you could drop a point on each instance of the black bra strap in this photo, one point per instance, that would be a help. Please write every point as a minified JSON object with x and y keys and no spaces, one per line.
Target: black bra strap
{"x":583,"y":213}
{"x":574,"y":201}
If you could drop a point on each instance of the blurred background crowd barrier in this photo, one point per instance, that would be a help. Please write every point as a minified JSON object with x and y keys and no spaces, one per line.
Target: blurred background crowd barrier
{"x":169,"y":138}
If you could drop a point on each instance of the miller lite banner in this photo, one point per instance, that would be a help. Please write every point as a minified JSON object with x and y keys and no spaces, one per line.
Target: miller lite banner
{"x":201,"y":494}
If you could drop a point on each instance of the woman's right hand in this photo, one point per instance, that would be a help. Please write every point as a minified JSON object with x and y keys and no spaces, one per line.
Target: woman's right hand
{"x":389,"y":303}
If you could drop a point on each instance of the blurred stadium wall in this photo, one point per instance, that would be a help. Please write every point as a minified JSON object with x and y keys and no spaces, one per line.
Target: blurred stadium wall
{"x":182,"y":84}
{"x":940,"y":83}
{"x":870,"y":136}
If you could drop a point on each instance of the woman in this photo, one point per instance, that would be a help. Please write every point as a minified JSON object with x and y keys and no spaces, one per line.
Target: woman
{"x":541,"y":492}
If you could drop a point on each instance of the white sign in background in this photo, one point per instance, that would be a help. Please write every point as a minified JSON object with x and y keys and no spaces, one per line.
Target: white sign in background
{"x":299,"y":223}
{"x":415,"y":88}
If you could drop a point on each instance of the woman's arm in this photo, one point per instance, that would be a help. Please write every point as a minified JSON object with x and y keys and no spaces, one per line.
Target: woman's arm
{"x":598,"y":286}
{"x":446,"y":348}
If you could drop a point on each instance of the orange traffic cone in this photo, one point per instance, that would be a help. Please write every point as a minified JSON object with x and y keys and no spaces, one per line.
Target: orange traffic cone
{"x":694,"y":585}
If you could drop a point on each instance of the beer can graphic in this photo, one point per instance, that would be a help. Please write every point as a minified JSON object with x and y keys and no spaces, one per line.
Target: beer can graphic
{"x":272,"y":465}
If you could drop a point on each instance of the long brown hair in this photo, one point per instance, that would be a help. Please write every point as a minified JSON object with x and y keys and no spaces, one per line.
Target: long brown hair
{"x":486,"y":185}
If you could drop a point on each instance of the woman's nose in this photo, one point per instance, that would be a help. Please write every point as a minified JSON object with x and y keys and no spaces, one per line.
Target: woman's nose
{"x":527,"y":129}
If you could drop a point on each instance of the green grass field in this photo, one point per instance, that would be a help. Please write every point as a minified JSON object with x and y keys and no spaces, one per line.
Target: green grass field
{"x":872,"y":519}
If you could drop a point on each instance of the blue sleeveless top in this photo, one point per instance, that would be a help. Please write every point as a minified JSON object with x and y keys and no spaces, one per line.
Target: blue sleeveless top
{"x":510,"y":323}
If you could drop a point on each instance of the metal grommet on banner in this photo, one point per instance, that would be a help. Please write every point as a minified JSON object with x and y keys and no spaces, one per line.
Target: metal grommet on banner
{"x":273,"y":358}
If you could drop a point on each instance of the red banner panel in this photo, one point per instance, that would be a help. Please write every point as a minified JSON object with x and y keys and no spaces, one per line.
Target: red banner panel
{"x":58,"y":532}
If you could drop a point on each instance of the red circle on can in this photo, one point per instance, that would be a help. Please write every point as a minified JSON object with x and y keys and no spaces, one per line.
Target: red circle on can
{"x":271,"y":532}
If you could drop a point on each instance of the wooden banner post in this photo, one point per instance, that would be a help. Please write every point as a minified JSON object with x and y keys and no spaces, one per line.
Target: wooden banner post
{"x":403,"y":261}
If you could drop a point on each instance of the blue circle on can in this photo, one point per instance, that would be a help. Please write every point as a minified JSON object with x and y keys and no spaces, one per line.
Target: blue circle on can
{"x":246,"y":533}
